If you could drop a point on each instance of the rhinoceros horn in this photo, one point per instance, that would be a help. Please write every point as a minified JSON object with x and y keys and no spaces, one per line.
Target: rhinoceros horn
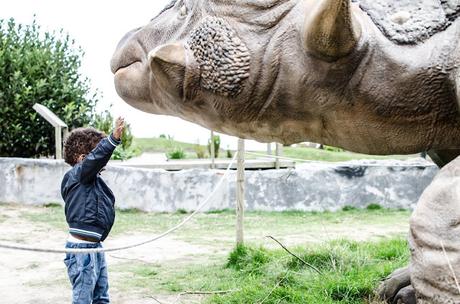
{"x":331,"y":30}
{"x":174,"y":69}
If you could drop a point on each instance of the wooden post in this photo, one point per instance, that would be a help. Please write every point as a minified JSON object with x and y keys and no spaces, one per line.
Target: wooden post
{"x":58,"y":139}
{"x":240,"y":193}
{"x":56,"y":122}
{"x":279,"y":152}
{"x":213,"y":152}
{"x":269,"y":148}
{"x":65,"y":133}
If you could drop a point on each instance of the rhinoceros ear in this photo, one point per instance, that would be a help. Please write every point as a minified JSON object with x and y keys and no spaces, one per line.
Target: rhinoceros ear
{"x":331,"y":31}
{"x":171,"y":65}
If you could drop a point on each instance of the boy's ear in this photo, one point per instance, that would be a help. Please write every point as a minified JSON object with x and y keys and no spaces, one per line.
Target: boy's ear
{"x":81,"y":157}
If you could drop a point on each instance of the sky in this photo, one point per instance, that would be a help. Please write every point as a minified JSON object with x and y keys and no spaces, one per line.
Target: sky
{"x":97,"y":26}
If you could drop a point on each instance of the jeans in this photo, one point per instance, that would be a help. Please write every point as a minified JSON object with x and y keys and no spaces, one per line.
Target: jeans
{"x":87,"y":274}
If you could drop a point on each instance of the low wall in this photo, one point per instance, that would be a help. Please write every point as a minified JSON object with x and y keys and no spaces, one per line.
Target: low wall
{"x":309,"y":187}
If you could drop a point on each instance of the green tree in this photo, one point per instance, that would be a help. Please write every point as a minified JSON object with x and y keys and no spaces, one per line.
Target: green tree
{"x":39,"y":67}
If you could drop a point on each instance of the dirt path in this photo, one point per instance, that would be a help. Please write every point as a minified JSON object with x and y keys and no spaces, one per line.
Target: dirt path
{"x":40,"y":278}
{"x":36,"y":278}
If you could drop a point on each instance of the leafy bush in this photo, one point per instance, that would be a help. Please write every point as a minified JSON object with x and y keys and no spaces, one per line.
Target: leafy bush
{"x":37,"y":67}
{"x":216,"y":140}
{"x":176,"y":153}
{"x":374,"y":207}
{"x":229,"y":153}
{"x":349,"y":208}
{"x":200,"y":151}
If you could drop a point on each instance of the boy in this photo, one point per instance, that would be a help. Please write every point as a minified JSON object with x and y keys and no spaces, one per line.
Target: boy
{"x":89,"y":210}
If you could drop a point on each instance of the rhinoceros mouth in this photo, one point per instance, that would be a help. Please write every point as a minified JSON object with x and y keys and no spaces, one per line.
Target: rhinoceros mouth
{"x":116,"y":69}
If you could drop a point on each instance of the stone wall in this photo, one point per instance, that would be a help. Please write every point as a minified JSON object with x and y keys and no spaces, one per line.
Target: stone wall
{"x":312,"y":186}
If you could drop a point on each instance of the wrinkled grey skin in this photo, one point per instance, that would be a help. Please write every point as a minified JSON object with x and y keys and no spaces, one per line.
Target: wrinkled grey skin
{"x":380,"y":98}
{"x":298,"y":70}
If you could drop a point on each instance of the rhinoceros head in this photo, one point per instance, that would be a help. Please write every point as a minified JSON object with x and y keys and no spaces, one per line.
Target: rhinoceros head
{"x":233,"y":66}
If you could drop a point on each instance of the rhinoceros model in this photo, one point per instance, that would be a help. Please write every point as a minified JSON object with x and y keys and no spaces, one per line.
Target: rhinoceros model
{"x":377,"y":77}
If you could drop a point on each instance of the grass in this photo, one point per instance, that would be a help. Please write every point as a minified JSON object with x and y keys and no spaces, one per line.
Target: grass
{"x":350,"y":272}
{"x":162,"y":145}
{"x":314,"y":226}
{"x":331,"y":156}
{"x":168,"y":146}
{"x":260,"y":272}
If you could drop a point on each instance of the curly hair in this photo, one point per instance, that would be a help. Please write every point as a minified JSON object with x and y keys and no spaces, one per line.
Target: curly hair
{"x":81,"y":141}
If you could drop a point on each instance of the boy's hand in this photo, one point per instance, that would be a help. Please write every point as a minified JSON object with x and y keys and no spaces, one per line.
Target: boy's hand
{"x":119,"y":126}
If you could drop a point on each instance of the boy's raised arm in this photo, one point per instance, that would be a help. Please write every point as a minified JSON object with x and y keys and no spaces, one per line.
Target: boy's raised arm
{"x":100,"y":156}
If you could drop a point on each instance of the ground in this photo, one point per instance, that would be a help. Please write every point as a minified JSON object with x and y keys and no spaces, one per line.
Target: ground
{"x":192,"y":259}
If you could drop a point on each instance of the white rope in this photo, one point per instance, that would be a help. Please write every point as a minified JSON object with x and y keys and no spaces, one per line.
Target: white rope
{"x":94,"y":250}
{"x":322,"y":162}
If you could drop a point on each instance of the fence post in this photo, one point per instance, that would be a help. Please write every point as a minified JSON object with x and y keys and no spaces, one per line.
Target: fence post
{"x":269,"y":149}
{"x":58,"y":140}
{"x":213,"y":152}
{"x":279,"y":152}
{"x":240,"y":194}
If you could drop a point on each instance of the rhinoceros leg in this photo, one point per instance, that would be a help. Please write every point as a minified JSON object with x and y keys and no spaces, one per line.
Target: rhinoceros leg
{"x":406,"y":296}
{"x":397,"y":289}
{"x":392,"y":286}
{"x":434,"y":239}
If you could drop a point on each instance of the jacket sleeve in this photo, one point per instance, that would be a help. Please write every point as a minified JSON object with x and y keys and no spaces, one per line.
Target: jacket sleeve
{"x":97,"y":159}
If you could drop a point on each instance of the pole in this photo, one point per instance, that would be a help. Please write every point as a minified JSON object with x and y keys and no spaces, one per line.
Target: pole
{"x":240,"y":193}
{"x":269,"y":149}
{"x":279,"y":152}
{"x":213,"y":152}
{"x":58,"y":139}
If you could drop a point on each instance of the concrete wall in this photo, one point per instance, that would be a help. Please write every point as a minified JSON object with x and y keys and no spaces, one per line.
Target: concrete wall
{"x":312,"y":186}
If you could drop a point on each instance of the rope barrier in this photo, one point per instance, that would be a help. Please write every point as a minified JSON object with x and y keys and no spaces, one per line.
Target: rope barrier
{"x":95,"y":250}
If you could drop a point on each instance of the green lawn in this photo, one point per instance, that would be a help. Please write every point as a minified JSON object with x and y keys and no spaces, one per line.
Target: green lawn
{"x":353,"y":249}
{"x":162,"y":145}
{"x":332,"y":156}
{"x":350,"y":272}
{"x":315,"y":227}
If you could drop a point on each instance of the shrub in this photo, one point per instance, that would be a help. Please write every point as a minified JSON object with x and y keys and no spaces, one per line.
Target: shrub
{"x":229,"y":153}
{"x":176,"y":153}
{"x":216,"y":140}
{"x":349,"y":208}
{"x":200,"y":151}
{"x":374,"y":207}
{"x":43,"y":68}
